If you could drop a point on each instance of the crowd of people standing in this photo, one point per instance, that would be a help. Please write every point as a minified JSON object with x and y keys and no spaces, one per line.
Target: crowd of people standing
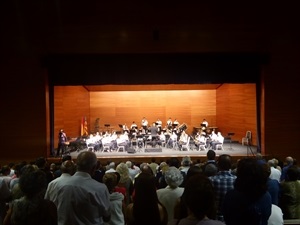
{"x":217,"y":191}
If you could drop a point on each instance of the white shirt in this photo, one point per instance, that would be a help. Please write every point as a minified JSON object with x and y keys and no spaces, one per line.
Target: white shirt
{"x":168,"y":197}
{"x":275,"y":174}
{"x":53,"y":186}
{"x":276,"y":217}
{"x":82,"y":201}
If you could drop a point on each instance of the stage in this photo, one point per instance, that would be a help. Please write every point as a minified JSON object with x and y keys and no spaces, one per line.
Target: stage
{"x":236,"y":150}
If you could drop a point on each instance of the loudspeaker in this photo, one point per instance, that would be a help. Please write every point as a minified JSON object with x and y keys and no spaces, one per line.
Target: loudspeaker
{"x":131,"y":150}
{"x":153,"y":149}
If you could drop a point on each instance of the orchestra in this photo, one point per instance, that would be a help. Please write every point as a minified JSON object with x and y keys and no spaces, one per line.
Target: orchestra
{"x":173,"y":135}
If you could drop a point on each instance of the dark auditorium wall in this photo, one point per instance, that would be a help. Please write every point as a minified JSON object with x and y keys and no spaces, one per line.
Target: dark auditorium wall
{"x":30,"y":32}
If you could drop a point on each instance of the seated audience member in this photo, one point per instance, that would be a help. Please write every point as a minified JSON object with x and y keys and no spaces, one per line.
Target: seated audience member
{"x":169,"y":195}
{"x":116,"y":200}
{"x":289,"y":200}
{"x":32,"y":208}
{"x":199,"y":200}
{"x":146,"y":208}
{"x":249,"y":203}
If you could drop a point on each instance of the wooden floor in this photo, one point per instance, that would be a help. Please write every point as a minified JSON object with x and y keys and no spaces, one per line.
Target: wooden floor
{"x":236,"y":150}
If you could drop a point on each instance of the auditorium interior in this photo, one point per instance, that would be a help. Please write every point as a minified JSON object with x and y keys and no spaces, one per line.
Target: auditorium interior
{"x":123,"y":61}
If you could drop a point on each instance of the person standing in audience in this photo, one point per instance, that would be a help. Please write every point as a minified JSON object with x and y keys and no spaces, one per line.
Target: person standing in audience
{"x":276,"y":217}
{"x":116,"y":199}
{"x":67,"y":168}
{"x":32,"y":208}
{"x":289,"y":200}
{"x":273,"y":185}
{"x":146,"y":208}
{"x":222,"y":181}
{"x":5,"y":195}
{"x":211,"y":158}
{"x":82,"y":199}
{"x":125,"y":181}
{"x":249,"y":203}
{"x":198,"y":200}
{"x":275,"y":173}
{"x":289,"y":161}
{"x":169,"y":195}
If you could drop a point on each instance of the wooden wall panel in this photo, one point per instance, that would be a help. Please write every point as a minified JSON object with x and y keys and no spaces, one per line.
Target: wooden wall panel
{"x":188,"y":106}
{"x":71,"y":103}
{"x":236,"y":110}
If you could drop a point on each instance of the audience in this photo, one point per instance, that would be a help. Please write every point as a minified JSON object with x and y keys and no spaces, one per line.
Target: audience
{"x":256,"y":192}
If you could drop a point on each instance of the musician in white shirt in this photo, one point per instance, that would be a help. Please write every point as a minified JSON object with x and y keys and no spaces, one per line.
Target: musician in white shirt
{"x":212,"y":137}
{"x":169,"y":123}
{"x":183,"y":139}
{"x":205,"y":123}
{"x":144,"y":124}
{"x":173,"y":139}
{"x":218,"y":140}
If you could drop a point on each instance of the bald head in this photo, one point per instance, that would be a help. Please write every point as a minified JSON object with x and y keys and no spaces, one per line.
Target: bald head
{"x":86,"y":162}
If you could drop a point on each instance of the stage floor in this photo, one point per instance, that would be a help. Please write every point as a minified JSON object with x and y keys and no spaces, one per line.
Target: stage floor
{"x":234,"y":149}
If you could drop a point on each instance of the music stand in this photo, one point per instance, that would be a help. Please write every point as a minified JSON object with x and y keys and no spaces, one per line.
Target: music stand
{"x":229,"y":135}
{"x":249,"y":149}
